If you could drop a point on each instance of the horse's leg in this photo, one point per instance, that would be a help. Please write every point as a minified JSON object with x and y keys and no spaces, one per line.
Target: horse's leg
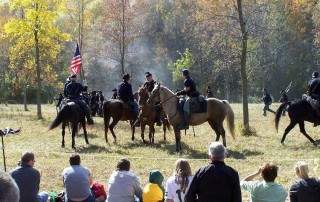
{"x":143,"y":127}
{"x":287,"y":130}
{"x":153,"y":131}
{"x":74,"y":131}
{"x":133,"y":129}
{"x":111,"y":126}
{"x":219,"y":131}
{"x":303,"y":131}
{"x":164,"y":127}
{"x":106,"y":126}
{"x":177,"y":134}
{"x":83,"y":123}
{"x":63,"y":133}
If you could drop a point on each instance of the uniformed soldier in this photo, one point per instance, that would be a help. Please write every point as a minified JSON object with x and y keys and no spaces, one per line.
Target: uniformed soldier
{"x":190,"y":91}
{"x":209,"y":93}
{"x":114,"y":94}
{"x":283,"y":99}
{"x":313,"y":85}
{"x":65,"y":92}
{"x":74,"y":89}
{"x":267,"y":100}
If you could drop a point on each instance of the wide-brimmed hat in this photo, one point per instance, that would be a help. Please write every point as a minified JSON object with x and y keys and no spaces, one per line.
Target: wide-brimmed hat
{"x":148,"y":74}
{"x":114,"y":89}
{"x":126,"y":77}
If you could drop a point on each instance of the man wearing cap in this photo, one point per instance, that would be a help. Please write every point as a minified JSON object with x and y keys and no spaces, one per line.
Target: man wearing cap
{"x":313,"y":85}
{"x":114,"y":94}
{"x":65,"y":92}
{"x":125,"y":94}
{"x":74,"y":89}
{"x":190,"y":91}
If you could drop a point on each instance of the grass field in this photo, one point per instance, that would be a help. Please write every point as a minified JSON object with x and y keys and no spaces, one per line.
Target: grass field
{"x":245,"y":154}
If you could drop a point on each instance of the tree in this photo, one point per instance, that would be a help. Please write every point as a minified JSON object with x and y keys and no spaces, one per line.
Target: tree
{"x":35,"y":40}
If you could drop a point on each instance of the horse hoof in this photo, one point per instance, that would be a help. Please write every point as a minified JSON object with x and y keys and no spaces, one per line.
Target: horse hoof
{"x":316,"y":143}
{"x":282,"y":144}
{"x":62,"y":146}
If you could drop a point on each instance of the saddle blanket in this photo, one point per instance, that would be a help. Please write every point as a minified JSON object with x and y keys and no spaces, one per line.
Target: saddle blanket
{"x":198,"y":105}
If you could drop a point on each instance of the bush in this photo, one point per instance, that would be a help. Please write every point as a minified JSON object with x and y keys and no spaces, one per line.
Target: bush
{"x":246,"y":132}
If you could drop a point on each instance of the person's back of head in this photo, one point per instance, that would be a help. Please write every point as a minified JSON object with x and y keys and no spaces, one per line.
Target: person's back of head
{"x":27,"y":157}
{"x":156,"y":177}
{"x":302,"y":170}
{"x":123,"y":165}
{"x":74,"y":159}
{"x":269,"y":172}
{"x":315,"y":74}
{"x":217,"y":151}
{"x":9,"y":191}
{"x":182,"y":173}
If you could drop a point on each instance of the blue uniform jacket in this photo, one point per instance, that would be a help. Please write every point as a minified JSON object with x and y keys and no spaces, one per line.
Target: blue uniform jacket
{"x":74,"y":89}
{"x":125,"y":91}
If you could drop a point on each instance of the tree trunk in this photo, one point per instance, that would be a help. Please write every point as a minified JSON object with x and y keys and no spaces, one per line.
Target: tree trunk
{"x":243,"y":67}
{"x":36,"y":39}
{"x":122,"y":38}
{"x":25,"y":98}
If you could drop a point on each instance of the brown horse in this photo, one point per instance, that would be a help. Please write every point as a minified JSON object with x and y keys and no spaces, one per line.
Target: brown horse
{"x":217,"y":111}
{"x":118,"y":111}
{"x":148,"y":116}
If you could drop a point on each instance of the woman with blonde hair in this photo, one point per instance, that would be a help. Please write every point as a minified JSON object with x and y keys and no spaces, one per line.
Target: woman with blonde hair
{"x":178,"y":184}
{"x":305,"y":188}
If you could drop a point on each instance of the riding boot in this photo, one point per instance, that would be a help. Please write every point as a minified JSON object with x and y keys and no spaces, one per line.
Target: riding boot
{"x":90,"y":121}
{"x":137,"y":123}
{"x":159,"y":123}
{"x":185,"y":124}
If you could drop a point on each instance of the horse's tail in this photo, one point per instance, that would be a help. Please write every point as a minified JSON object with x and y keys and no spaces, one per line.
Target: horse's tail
{"x":62,"y":116}
{"x":230,"y":118}
{"x":279,"y":112}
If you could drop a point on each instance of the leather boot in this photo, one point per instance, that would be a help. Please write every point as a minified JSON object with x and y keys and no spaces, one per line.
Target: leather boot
{"x":159,"y":123}
{"x":185,"y":124}
{"x":90,"y":121}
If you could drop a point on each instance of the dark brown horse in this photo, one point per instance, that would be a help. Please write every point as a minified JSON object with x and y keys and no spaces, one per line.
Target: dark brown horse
{"x":118,"y":111}
{"x":70,"y":113}
{"x":148,"y":116}
{"x":217,"y":111}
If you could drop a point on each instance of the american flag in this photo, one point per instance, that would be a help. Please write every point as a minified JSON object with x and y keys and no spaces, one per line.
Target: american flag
{"x":76,"y":62}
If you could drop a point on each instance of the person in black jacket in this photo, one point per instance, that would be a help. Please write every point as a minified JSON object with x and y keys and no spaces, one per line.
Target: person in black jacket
{"x":283,"y":99}
{"x":209,"y":93}
{"x":267,"y":100}
{"x":305,"y":189}
{"x":215,"y":182}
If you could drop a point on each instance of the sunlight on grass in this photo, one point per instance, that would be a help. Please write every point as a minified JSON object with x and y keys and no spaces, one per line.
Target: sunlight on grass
{"x":245,"y":154}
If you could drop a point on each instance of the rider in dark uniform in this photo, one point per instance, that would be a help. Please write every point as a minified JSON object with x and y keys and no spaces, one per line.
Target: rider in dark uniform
{"x":150,"y":86}
{"x":313,"y":85}
{"x":209,"y":93}
{"x":190,"y":91}
{"x":65,"y":92}
{"x":125,"y":94}
{"x":283,"y":99}
{"x":114,"y":94}
{"x":74,"y":89}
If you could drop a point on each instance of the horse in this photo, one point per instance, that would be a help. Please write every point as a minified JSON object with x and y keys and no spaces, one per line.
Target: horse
{"x":118,"y":111}
{"x":70,"y":113}
{"x":148,"y":116}
{"x":298,"y":111}
{"x":217,"y":111}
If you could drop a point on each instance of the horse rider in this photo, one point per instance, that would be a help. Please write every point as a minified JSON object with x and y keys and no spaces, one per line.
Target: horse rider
{"x":125,"y":94}
{"x":65,"y":92}
{"x":209,"y":93}
{"x":114,"y":94}
{"x":74,"y":89}
{"x":267,"y":100}
{"x":149,"y":84}
{"x":283,"y":99}
{"x":314,"y":90}
{"x":191,"y":91}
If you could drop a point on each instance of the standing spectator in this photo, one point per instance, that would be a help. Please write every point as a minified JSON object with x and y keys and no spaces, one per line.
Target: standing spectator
{"x":124,"y":186}
{"x":154,"y":191}
{"x":209,"y":93}
{"x":28,"y":179}
{"x":305,"y":189}
{"x":283,"y":99}
{"x":215,"y":182}
{"x":77,"y":181}
{"x":267,"y":100}
{"x":9,"y":191}
{"x":266,"y":190}
{"x":179,"y":183}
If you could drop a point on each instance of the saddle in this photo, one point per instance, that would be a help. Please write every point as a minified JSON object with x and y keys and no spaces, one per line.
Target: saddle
{"x":198,"y":104}
{"x":313,"y":102}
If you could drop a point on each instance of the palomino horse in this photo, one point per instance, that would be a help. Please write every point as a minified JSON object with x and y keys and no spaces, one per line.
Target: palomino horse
{"x":298,"y":111}
{"x":217,"y":111}
{"x":70,"y":113}
{"x":118,"y":111}
{"x":148,"y":116}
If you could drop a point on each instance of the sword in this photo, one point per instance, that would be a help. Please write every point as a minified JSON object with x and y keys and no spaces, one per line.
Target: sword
{"x":288,"y":88}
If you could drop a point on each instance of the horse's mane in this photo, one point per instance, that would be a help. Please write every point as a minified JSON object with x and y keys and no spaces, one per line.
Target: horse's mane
{"x":167,"y":89}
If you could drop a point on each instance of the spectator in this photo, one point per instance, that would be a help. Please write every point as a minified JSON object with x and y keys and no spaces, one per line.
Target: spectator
{"x":267,"y":100}
{"x":9,"y":191}
{"x":266,"y":190}
{"x":215,"y":182}
{"x":305,"y":189}
{"x":77,"y":181}
{"x":178,"y":184}
{"x":124,"y":185}
{"x":283,"y":99}
{"x":28,"y":179}
{"x":154,"y":191}
{"x":209,"y":93}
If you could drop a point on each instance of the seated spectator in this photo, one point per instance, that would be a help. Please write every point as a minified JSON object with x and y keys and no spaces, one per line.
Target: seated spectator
{"x":217,"y":181}
{"x":9,"y":191}
{"x":154,"y":191}
{"x":305,"y":189}
{"x":28,"y":179}
{"x":124,"y":186}
{"x":178,"y":184}
{"x":77,"y":181}
{"x":266,"y":190}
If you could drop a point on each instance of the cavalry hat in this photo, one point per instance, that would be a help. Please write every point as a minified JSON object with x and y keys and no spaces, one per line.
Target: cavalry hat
{"x":126,"y":76}
{"x":185,"y":72}
{"x":114,"y":89}
{"x":315,"y":75}
{"x":148,"y":74}
{"x":73,"y":76}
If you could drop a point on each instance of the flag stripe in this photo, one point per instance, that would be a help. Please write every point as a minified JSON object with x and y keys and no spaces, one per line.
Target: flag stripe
{"x":76,"y":62}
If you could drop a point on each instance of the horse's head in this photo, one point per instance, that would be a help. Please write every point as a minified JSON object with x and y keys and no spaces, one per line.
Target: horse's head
{"x":143,"y":95}
{"x":154,"y":96}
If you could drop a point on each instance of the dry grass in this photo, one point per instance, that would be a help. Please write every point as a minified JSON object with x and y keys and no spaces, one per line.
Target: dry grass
{"x":245,"y":154}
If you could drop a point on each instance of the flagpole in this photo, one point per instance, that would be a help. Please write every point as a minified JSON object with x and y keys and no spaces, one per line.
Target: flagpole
{"x":81,"y":68}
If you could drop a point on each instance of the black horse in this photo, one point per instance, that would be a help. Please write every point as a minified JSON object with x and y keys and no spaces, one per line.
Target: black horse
{"x":298,"y":111}
{"x":70,"y":113}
